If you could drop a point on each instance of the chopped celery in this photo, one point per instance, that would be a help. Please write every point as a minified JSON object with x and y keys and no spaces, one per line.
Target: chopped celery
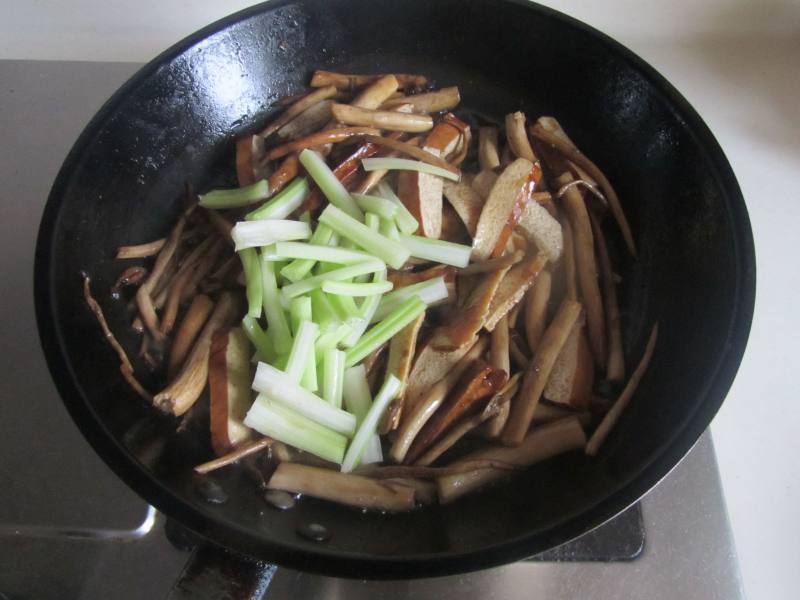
{"x":389,"y":229}
{"x":278,"y":326}
{"x":322,"y":309}
{"x":300,"y":309}
{"x":368,"y":427}
{"x":331,"y":339}
{"x":440,"y":251}
{"x":236,"y":197}
{"x":331,"y":187}
{"x":333,"y":376}
{"x":259,"y":338}
{"x":309,"y":377}
{"x":277,"y":421}
{"x":384,"y":330}
{"x":252,"y":277}
{"x":355,"y":392}
{"x":343,"y":288}
{"x":344,"y":306}
{"x":391,"y":252}
{"x":366,"y":312}
{"x":305,"y":217}
{"x":430,"y":291}
{"x":278,"y":386}
{"x":373,"y":453}
{"x":382,"y":207}
{"x":302,"y":348}
{"x":405,"y":220}
{"x":252,"y":234}
{"x":306,"y":285}
{"x":283,"y":204}
{"x":327,"y":254}
{"x":388,"y":163}
{"x":297,"y":269}
{"x":268,"y":253}
{"x":372,"y":221}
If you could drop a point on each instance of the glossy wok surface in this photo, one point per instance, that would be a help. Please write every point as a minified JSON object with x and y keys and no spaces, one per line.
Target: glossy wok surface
{"x":175,"y":121}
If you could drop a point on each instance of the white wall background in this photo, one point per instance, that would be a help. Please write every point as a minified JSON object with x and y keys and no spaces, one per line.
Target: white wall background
{"x":738,"y":62}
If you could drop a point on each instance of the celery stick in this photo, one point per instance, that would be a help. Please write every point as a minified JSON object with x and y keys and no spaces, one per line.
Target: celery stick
{"x":430,"y":291}
{"x":284,"y":203}
{"x":252,"y":234}
{"x":404,"y":164}
{"x":278,"y":386}
{"x":383,"y":331}
{"x":322,"y":309}
{"x":368,"y":427}
{"x":259,"y":338}
{"x":343,"y":288}
{"x":344,"y":306}
{"x":319,"y":253}
{"x":306,"y":285}
{"x":372,"y":221}
{"x":331,"y":339}
{"x":382,"y":207}
{"x":275,"y":420}
{"x":388,"y":228}
{"x":366,"y":312}
{"x":236,"y":197}
{"x":331,"y":187}
{"x":309,"y":378}
{"x":332,"y":376}
{"x":405,"y":220}
{"x":297,"y":269}
{"x":439,"y":251}
{"x":391,"y":252}
{"x":355,"y":392}
{"x":276,"y":318}
{"x":253,"y":285}
{"x":302,"y":348}
{"x":299,"y":311}
{"x":373,"y":453}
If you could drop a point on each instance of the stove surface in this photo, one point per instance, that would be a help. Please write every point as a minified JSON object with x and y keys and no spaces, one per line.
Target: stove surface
{"x":70,"y":529}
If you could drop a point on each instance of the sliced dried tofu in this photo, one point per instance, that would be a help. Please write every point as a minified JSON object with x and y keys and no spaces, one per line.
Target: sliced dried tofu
{"x":468,"y":320}
{"x":229,"y":379}
{"x":421,"y":193}
{"x":541,"y":229}
{"x":483,"y":182}
{"x":466,"y":202}
{"x":513,"y":287}
{"x":401,"y":354}
{"x":499,"y":206}
{"x":571,"y":378}
{"x":480,"y":382}
{"x":430,"y":366}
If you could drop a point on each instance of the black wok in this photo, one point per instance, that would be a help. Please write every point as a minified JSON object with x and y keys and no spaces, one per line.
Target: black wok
{"x":175,"y":120}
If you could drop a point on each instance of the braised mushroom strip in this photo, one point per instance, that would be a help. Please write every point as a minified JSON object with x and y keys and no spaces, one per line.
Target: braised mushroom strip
{"x":386,"y":313}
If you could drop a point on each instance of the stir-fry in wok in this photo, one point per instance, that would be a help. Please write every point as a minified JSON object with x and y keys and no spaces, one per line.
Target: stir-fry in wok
{"x":389,"y":310}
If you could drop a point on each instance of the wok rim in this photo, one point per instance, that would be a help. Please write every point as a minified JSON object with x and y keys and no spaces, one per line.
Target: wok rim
{"x":351,"y":564}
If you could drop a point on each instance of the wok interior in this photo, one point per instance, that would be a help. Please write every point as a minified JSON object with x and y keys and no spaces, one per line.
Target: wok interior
{"x":177,"y":123}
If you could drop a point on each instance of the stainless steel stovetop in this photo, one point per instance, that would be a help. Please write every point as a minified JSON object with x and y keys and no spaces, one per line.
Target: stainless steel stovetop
{"x":69,"y":529}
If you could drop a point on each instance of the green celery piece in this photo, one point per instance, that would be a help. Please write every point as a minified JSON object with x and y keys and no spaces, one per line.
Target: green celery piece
{"x":284,"y":203}
{"x":252,"y":276}
{"x":276,"y":319}
{"x":236,"y":197}
{"x":259,"y":338}
{"x":389,"y":251}
{"x":298,"y":269}
{"x":300,"y":309}
{"x":331,"y":187}
{"x":385,"y":330}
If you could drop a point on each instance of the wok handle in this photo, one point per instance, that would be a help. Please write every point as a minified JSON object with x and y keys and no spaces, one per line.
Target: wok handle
{"x":213,"y":572}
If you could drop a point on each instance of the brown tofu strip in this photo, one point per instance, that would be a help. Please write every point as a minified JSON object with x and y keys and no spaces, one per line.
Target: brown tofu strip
{"x":586,"y":269}
{"x":513,"y":287}
{"x":540,"y":444}
{"x":613,"y":415}
{"x":536,"y":376}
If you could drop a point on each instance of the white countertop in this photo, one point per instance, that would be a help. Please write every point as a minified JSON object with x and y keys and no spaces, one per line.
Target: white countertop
{"x":738,"y":63}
